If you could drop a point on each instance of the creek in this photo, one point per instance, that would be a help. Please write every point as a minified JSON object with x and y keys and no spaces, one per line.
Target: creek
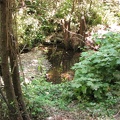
{"x":61,"y":63}
{"x":56,"y":60}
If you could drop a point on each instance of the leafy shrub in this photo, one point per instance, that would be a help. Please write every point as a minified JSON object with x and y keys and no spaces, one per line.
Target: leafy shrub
{"x":64,"y":10}
{"x":27,"y":31}
{"x":97,"y":74}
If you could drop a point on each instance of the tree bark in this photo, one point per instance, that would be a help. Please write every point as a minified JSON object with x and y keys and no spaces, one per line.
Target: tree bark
{"x":13,"y":108}
{"x":66,"y":33}
{"x":14,"y":62}
{"x":82,"y":31}
{"x":16,"y":79}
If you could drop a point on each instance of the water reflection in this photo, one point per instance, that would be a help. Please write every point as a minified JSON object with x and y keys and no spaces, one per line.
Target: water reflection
{"x":61,"y":61}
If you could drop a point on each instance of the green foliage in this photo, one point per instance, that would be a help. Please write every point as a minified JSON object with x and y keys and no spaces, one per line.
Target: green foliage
{"x":102,"y":109}
{"x":3,"y":108}
{"x":47,"y":26}
{"x":110,"y":13}
{"x":95,"y":85}
{"x":41,"y":94}
{"x":29,"y":33}
{"x":93,"y":18}
{"x":34,"y":22}
{"x":97,"y":74}
{"x":64,"y":10}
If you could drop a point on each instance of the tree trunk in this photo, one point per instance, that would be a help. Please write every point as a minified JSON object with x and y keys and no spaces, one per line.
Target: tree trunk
{"x":14,"y":112}
{"x":16,"y":79}
{"x":0,"y":32}
{"x":66,"y":33}
{"x":14,"y":62}
{"x":82,"y":31}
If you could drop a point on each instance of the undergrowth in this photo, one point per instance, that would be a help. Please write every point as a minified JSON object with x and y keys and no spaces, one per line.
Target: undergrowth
{"x":41,"y":95}
{"x":97,"y":75}
{"x":95,"y":86}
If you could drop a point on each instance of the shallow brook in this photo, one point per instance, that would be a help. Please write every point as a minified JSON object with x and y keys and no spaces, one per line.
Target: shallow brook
{"x":61,"y":63}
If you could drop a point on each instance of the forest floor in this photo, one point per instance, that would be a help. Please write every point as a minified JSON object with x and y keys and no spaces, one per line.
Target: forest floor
{"x":34,"y":63}
{"x":30,"y":63}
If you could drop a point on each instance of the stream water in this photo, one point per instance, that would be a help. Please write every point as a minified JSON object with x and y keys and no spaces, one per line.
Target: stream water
{"x":61,"y":63}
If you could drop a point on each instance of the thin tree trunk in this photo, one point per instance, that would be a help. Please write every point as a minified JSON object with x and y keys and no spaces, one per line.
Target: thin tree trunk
{"x":14,"y":112}
{"x":14,"y":63}
{"x":82,"y":31}
{"x":66,"y":33}
{"x":16,"y":81}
